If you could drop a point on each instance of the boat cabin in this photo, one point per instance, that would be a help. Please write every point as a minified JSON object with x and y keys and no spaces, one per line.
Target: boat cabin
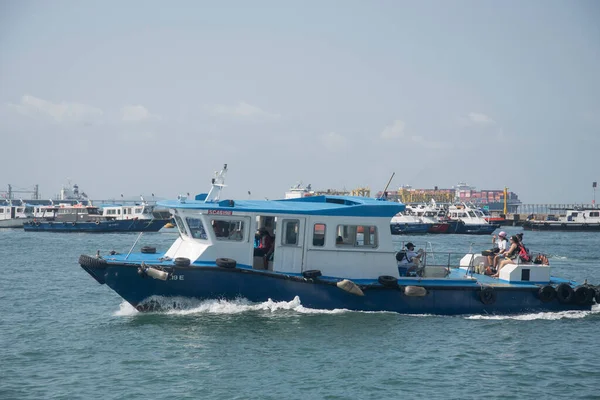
{"x":468,"y":215}
{"x":584,"y":216}
{"x":342,"y":236}
{"x":11,"y":211}
{"x":123,"y":211}
{"x":69,"y":213}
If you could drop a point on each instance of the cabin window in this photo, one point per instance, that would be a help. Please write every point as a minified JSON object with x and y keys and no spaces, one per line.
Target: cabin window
{"x":356,"y":236}
{"x":1,"y":210}
{"x":196,"y":228}
{"x":594,"y":213}
{"x":574,"y":214}
{"x":291,"y":227}
{"x":319,"y":235}
{"x":138,"y":211}
{"x":228,"y":229}
{"x":180,"y":225}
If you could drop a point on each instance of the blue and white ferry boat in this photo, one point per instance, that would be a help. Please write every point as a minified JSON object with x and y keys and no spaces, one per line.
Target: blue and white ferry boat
{"x":88,"y":218}
{"x":332,"y":252}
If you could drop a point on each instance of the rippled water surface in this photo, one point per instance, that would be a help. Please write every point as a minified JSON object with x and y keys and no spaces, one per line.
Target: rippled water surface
{"x":64,"y":336}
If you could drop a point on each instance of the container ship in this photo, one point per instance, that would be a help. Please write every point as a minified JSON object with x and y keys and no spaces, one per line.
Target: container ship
{"x":491,"y":200}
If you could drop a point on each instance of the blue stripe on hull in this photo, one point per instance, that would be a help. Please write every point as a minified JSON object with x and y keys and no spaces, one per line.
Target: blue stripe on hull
{"x":102,"y":227}
{"x":256,"y":286}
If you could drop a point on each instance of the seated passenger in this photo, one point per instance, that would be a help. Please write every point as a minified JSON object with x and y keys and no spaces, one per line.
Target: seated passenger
{"x":510,"y":256}
{"x":496,"y":253}
{"x":409,"y":262}
{"x":339,"y":240}
{"x":266,"y":247}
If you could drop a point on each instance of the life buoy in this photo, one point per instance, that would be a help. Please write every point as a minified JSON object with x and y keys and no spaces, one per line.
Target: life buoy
{"x":73,"y":223}
{"x":564,"y":293}
{"x":182,"y":261}
{"x":583,"y":295}
{"x":225,"y":263}
{"x":487,"y":295}
{"x":97,"y":222}
{"x":311,"y":273}
{"x":546,"y":293}
{"x":388,"y":281}
{"x":37,"y":223}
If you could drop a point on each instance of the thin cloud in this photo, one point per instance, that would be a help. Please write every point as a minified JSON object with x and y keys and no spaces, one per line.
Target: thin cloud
{"x":333,"y":141}
{"x":137,"y":114}
{"x":242,"y":110}
{"x":393,"y":131}
{"x":62,"y":112}
{"x":479,"y":119}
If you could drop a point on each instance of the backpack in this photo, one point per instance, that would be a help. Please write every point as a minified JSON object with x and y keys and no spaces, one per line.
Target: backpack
{"x":524,"y":253}
{"x":401,"y":255}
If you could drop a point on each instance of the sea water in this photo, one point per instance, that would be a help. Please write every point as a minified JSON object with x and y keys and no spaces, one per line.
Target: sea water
{"x":64,"y":336}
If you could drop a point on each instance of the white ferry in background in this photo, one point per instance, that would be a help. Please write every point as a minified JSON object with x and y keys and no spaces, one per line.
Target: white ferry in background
{"x":14,"y":216}
{"x":576,"y":220}
{"x":299,"y":191}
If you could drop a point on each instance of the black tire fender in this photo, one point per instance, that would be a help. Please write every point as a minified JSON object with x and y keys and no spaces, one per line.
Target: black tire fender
{"x":546,"y":293}
{"x":148,"y":250}
{"x":565,"y":293}
{"x":311,"y":273}
{"x":487,"y":295}
{"x":584,"y":295}
{"x":182,"y":261}
{"x":388,"y":281}
{"x":226,"y":262}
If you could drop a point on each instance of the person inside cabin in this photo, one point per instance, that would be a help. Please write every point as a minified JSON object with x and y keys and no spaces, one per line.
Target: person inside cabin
{"x":266,"y":247}
{"x":339,"y":240}
{"x":220,"y":228}
{"x":409,"y":261}
{"x":510,"y":256}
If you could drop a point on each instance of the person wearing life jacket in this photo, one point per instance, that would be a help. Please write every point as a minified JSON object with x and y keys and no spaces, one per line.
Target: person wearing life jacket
{"x":510,"y":256}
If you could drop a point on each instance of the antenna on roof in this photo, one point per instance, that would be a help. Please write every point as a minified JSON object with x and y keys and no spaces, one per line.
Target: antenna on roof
{"x":218,"y":183}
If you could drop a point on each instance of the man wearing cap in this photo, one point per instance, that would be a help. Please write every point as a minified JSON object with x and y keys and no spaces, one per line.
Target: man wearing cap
{"x":503,"y":247}
{"x":410,"y":261}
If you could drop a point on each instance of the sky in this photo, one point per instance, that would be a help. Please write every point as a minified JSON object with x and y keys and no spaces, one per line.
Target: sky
{"x":142,"y":97}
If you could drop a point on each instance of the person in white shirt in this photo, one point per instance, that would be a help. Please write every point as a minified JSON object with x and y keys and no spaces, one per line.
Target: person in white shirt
{"x":503,"y":247}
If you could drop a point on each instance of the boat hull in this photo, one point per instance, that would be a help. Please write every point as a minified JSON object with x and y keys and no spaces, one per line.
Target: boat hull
{"x":473,"y":229}
{"x":561,"y":226}
{"x":129,"y":225}
{"x":439,"y":228}
{"x":13,"y":223}
{"x":212,"y":282}
{"x":409,"y":228}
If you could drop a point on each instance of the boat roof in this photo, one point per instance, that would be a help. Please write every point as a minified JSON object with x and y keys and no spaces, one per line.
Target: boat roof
{"x":351,"y":206}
